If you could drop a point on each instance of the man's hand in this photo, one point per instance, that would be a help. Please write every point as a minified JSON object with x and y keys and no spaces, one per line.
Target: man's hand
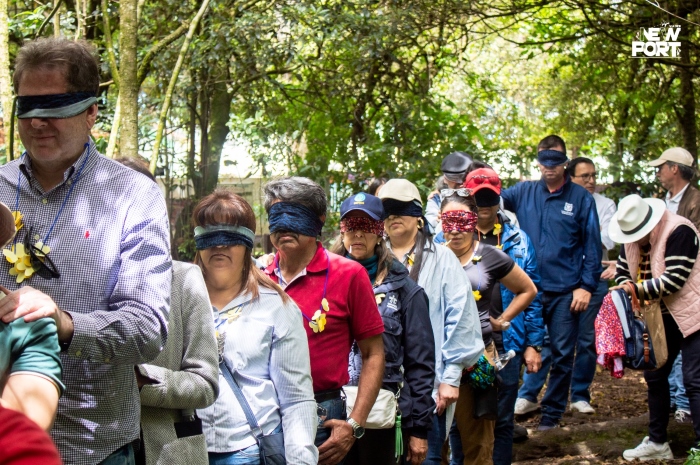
{"x":33,"y":304}
{"x":433,"y":194}
{"x":609,"y":272}
{"x":417,"y":450}
{"x":533,"y":360}
{"x":446,"y":395}
{"x":580,"y":301}
{"x":338,"y":445}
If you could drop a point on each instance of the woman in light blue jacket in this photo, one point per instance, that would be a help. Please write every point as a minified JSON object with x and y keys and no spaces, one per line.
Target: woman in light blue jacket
{"x":453,"y":312}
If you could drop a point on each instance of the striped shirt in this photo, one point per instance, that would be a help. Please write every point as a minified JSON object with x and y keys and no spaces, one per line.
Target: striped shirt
{"x":267,"y":351}
{"x":111,"y":244}
{"x":681,"y":251}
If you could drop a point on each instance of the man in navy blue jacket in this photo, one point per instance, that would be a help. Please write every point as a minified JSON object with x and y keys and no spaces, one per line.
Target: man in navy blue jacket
{"x":561,"y":219}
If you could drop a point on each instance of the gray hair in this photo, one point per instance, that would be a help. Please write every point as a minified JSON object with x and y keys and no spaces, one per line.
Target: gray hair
{"x":686,"y":172}
{"x":298,"y":190}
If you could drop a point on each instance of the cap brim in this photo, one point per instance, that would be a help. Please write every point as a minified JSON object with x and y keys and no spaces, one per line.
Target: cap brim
{"x":488,"y":186}
{"x":658,"y":207}
{"x":455,"y":177}
{"x":657,"y":162}
{"x":364,"y":210}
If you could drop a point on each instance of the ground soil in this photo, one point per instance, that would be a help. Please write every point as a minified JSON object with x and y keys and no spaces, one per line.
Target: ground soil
{"x":620,"y":423}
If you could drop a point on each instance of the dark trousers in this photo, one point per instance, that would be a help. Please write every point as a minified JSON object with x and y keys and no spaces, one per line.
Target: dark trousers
{"x":377,"y":446}
{"x":657,"y":381}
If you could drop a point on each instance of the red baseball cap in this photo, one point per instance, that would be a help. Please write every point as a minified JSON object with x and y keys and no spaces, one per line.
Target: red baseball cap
{"x":483,"y":178}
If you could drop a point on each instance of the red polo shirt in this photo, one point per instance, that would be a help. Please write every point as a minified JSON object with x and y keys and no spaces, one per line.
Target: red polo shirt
{"x":352,"y":314}
{"x":22,"y":442}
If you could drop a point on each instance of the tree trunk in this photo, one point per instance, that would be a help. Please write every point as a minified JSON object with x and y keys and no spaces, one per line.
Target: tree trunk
{"x":218,"y":132}
{"x":687,"y":117}
{"x":173,"y":81}
{"x":128,"y":82}
{"x":114,"y":133}
{"x":5,"y":81}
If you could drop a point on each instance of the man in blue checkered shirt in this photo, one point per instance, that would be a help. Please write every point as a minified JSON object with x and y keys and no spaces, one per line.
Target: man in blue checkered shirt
{"x":92,"y":252}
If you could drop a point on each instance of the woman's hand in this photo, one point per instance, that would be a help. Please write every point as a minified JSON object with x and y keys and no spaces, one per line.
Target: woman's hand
{"x":417,"y":450}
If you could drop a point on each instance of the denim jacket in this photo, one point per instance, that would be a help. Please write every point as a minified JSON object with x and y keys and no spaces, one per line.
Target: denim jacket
{"x":527,"y":329}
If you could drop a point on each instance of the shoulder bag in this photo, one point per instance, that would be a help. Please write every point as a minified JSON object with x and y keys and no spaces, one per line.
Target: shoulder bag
{"x":272,"y":445}
{"x":384,"y":411}
{"x":645,"y":347}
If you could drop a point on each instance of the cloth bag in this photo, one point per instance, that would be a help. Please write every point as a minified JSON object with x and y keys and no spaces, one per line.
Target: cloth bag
{"x":384,"y":410}
{"x":645,"y":336}
{"x":272,"y":445}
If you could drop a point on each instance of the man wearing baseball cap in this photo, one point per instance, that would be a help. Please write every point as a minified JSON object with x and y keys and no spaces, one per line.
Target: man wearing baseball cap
{"x":659,"y":261}
{"x":561,"y":219}
{"x":674,"y":170}
{"x":526,"y":333}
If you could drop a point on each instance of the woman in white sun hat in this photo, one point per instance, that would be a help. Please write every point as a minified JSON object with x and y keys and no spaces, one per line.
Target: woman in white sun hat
{"x":659,"y":256}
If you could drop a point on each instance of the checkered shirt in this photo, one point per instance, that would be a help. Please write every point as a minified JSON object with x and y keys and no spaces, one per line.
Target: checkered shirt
{"x":111,"y":245}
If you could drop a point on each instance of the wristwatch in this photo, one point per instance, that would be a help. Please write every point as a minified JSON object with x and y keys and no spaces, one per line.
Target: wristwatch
{"x":538,"y":349}
{"x":357,"y":430}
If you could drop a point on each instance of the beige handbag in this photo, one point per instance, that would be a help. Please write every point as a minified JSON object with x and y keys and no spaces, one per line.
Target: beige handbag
{"x":384,"y":410}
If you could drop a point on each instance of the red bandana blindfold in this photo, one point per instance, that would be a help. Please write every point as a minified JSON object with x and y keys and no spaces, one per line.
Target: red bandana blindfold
{"x":367,"y":225}
{"x":460,"y":221}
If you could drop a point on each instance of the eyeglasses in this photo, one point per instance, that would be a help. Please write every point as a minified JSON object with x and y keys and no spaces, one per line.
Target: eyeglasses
{"x":587,"y":176}
{"x":462,"y":192}
{"x":42,"y":264}
{"x":483,"y":179}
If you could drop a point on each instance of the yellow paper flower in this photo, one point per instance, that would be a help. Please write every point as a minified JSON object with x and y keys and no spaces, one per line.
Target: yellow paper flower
{"x":379,"y":298}
{"x":21,"y":261}
{"x":499,"y":246}
{"x":410,"y":259}
{"x":497,"y":229}
{"x":233,"y":314}
{"x":18,"y":220}
{"x":477,"y":295}
{"x":324,"y":304}
{"x":318,"y":322}
{"x":476,"y":258}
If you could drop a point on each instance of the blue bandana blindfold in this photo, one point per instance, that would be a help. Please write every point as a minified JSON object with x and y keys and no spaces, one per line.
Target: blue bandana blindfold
{"x":294,"y":217}
{"x":54,"y":105}
{"x":213,"y":236}
{"x":399,"y":208}
{"x":551,"y":157}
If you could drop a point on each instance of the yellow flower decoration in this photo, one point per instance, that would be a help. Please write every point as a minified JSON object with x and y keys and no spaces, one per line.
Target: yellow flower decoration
{"x":18,"y":220}
{"x":476,"y":258}
{"x":233,"y":314}
{"x":318,"y":322}
{"x":477,"y":295}
{"x":21,"y":261}
{"x":379,"y":298}
{"x":499,"y":246}
{"x":324,"y":304}
{"x":410,"y":259}
{"x":497,"y":229}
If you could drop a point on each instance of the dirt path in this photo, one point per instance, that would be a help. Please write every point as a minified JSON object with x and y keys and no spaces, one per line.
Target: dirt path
{"x":620,"y":423}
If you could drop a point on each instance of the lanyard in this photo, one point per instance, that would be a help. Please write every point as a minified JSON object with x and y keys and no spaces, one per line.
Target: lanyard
{"x":65,"y":200}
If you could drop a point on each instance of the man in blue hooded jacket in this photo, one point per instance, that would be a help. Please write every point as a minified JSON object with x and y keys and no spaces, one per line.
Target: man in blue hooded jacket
{"x":561,"y":219}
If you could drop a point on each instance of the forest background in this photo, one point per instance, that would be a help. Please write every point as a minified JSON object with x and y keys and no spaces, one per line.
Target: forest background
{"x":344,"y":91}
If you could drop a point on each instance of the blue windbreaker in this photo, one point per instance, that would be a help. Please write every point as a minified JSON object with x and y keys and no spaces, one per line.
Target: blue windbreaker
{"x":564,"y":229}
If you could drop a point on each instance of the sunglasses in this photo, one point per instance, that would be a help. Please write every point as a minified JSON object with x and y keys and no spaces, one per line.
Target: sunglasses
{"x":587,"y":177}
{"x":462,"y":192}
{"x":483,"y":179}
{"x":42,"y":264}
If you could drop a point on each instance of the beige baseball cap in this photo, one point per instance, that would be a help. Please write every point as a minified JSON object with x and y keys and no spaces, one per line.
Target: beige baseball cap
{"x":400,"y":189}
{"x":677,"y":155}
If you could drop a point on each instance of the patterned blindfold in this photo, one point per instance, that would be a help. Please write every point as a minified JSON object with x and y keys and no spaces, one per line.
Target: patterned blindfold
{"x":460,"y":221}
{"x":367,"y":225}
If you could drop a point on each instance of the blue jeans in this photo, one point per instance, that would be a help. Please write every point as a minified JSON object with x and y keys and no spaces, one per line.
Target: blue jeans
{"x":335,"y":410}
{"x":436,"y":438}
{"x":507,"y":395}
{"x":585,"y":359}
{"x":122,"y":456}
{"x":248,"y":456}
{"x":677,"y":388}
{"x":562,"y":329}
{"x":456,"y":451}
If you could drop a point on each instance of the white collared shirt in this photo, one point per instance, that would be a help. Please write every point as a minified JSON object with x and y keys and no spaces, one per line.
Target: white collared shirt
{"x":673,"y":203}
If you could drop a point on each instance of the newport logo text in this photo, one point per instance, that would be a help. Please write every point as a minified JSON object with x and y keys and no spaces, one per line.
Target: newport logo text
{"x":657,"y":42}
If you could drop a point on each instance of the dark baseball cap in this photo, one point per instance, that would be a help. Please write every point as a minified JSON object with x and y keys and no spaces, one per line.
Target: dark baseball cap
{"x":364,"y":203}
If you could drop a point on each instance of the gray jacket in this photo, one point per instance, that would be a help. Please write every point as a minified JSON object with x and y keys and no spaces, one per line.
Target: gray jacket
{"x":186,"y":373}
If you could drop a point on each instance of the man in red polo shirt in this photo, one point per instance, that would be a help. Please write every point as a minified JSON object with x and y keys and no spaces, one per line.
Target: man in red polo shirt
{"x":337,"y":305}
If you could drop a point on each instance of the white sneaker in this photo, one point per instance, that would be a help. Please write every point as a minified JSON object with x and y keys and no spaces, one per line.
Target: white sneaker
{"x":582,"y":406}
{"x":648,"y":450}
{"x":523,"y":406}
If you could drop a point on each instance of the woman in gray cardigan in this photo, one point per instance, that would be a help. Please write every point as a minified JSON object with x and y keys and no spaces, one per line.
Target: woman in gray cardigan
{"x":182,"y":378}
